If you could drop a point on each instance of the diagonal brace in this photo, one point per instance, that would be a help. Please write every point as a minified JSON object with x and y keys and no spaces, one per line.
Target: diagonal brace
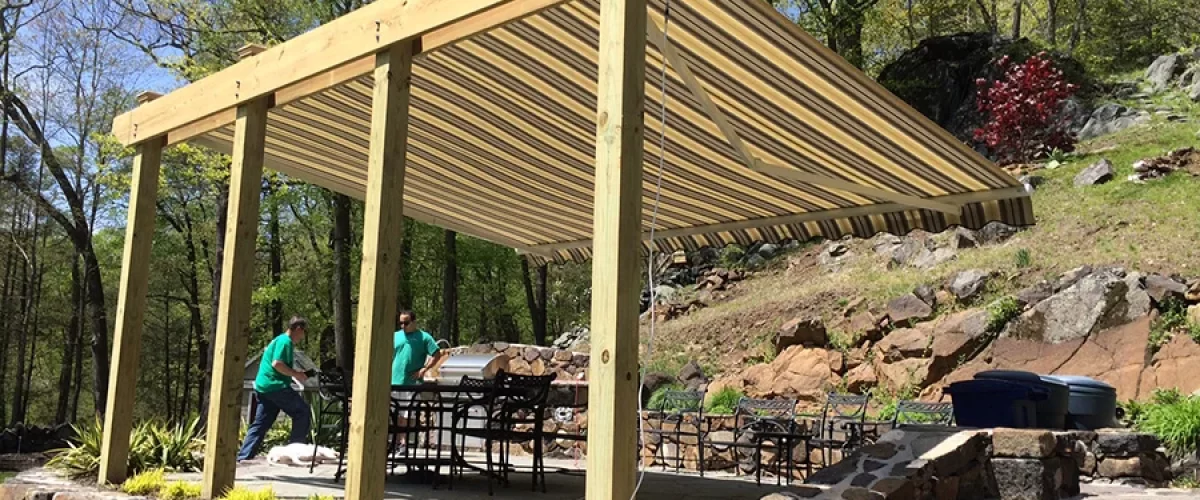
{"x":673,"y":57}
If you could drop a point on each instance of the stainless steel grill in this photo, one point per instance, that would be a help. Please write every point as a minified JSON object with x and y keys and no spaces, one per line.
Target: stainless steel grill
{"x":484,"y":366}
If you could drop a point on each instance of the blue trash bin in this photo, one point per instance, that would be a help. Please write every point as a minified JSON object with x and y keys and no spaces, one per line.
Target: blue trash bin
{"x":986,"y":403}
{"x":1052,"y":411}
{"x":1093,"y":404}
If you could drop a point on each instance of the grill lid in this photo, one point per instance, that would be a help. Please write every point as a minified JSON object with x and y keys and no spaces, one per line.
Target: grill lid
{"x":474,"y":365}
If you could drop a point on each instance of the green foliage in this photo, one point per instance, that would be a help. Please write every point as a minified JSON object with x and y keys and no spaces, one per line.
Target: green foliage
{"x":153,"y":445}
{"x":732,"y":256}
{"x":1000,"y":312}
{"x":1023,"y":259}
{"x":180,"y":490}
{"x":658,"y":398}
{"x":1172,"y":319}
{"x":81,"y":457}
{"x":1175,"y":419}
{"x":145,"y":483}
{"x":724,"y":401}
{"x":841,"y":341}
{"x":320,"y":497}
{"x":243,"y":493}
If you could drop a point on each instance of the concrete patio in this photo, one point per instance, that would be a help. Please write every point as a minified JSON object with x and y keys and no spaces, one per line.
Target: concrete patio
{"x":565,"y":484}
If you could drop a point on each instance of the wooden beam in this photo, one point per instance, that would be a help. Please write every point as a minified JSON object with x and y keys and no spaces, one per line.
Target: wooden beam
{"x":672,"y":56}
{"x":341,"y":42}
{"x":844,"y":185}
{"x":882,"y":208}
{"x":612,"y":401}
{"x":131,"y":313}
{"x":233,"y":312}
{"x":383,"y":232}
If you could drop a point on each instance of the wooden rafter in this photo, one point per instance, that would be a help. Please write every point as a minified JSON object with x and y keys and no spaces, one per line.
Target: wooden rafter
{"x":346,"y":40}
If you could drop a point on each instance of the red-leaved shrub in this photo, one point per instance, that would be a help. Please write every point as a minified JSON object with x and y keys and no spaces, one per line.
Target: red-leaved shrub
{"x":1024,"y":110}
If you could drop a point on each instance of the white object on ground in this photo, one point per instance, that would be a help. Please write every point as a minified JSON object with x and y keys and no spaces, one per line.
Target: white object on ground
{"x":300,"y":454}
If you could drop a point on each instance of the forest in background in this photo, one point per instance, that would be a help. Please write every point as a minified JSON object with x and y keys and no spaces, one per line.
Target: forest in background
{"x":70,"y":66}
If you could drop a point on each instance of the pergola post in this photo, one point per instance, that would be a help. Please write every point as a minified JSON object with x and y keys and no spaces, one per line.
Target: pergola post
{"x":131,"y":312}
{"x":233,"y":313}
{"x":616,"y":283}
{"x":383,"y":230}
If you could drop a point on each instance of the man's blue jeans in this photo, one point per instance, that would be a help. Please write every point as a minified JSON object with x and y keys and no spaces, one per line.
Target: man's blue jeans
{"x":269,"y":405}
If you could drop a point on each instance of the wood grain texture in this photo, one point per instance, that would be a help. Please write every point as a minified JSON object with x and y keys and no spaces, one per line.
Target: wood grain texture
{"x":131,"y":313}
{"x":612,"y":400}
{"x":383,"y":232}
{"x":233,"y":313}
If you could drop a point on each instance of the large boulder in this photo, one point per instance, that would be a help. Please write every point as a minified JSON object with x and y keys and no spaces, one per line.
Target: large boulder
{"x":861,"y":378}
{"x":904,"y":343}
{"x":907,"y":310}
{"x":809,"y":330}
{"x":797,"y":373}
{"x":1163,"y":289}
{"x":1096,"y":302}
{"x":1096,"y":173}
{"x":966,"y":285}
{"x":1173,"y":366}
{"x":937,"y":77}
{"x":1165,"y":70}
{"x":1111,"y":118}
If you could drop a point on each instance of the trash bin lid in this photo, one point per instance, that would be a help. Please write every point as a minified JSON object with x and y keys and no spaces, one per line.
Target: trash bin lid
{"x":1081,"y":382}
{"x":1020,"y":376}
{"x":1011,"y":389}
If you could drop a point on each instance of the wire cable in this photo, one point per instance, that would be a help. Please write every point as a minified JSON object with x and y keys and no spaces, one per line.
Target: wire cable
{"x":650,"y":267}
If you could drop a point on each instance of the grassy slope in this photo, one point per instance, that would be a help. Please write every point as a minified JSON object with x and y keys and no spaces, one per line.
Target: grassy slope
{"x":1154,"y":227}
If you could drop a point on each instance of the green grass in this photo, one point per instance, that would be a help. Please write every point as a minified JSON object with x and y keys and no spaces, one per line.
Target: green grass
{"x":6,"y":475}
{"x":723,"y":402}
{"x":1174,"y":418}
{"x":242,"y":493}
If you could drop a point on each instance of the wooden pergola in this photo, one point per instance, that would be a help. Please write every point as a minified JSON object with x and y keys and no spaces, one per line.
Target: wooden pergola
{"x":526,"y":123}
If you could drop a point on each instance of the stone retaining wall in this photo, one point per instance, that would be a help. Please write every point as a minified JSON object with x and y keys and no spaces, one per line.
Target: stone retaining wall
{"x":534,"y":360}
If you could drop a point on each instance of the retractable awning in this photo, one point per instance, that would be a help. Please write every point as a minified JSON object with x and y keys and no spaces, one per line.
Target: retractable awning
{"x":770,"y":135}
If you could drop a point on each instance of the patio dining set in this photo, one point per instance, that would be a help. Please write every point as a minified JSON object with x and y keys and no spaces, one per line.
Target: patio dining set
{"x":431,"y":425}
{"x":774,"y":425}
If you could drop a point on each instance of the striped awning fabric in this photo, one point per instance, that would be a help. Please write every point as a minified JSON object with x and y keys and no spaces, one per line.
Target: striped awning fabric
{"x":502,"y":137}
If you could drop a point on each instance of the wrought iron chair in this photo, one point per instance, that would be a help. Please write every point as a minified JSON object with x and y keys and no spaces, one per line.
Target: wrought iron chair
{"x":920,"y":412}
{"x":515,"y":412}
{"x":841,"y":424}
{"x":477,"y":394}
{"x":335,"y":401}
{"x":681,"y":409}
{"x":758,"y":421}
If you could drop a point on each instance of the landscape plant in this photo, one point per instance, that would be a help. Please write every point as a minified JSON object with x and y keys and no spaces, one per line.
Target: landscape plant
{"x":146,"y":483}
{"x":724,"y":401}
{"x":180,"y":490}
{"x":1174,"y":418}
{"x":1023,"y":109}
{"x":152,"y":445}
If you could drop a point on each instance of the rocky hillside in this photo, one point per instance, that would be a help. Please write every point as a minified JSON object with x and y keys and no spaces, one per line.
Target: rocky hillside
{"x":1102,"y":286}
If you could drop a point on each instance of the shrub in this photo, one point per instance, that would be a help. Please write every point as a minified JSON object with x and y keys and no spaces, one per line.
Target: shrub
{"x":146,"y":483}
{"x":1000,"y":312}
{"x":82,"y":456}
{"x":1172,"y":318}
{"x":242,"y":493}
{"x":1023,"y":109}
{"x":1175,"y":420}
{"x":659,"y":395}
{"x":152,"y":445}
{"x":179,"y":490}
{"x":1023,"y":259}
{"x":732,"y":255}
{"x":724,"y":401}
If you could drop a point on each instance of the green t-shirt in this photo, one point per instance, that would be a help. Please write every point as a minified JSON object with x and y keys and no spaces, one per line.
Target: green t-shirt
{"x":410,"y":351}
{"x":268,"y":379}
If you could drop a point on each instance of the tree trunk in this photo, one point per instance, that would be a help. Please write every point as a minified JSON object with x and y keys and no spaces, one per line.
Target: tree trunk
{"x":222,"y":209}
{"x":1052,"y":23}
{"x":404,"y":299}
{"x":848,"y":30}
{"x":99,"y":315}
{"x":61,"y":412}
{"x":275,"y":251}
{"x":18,"y":389}
{"x":1077,"y":27}
{"x":6,"y":317}
{"x":536,"y":301}
{"x":1016,"y":23}
{"x":449,"y":325}
{"x":343,"y":333}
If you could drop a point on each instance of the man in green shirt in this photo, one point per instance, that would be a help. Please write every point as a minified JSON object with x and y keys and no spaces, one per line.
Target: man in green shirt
{"x":273,"y":388}
{"x":414,"y":351}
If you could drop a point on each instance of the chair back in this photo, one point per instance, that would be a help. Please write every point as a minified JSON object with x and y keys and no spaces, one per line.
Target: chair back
{"x":774,"y":415}
{"x":842,"y":408}
{"x":921,"y":412}
{"x":332,"y":386}
{"x":523,"y":391}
